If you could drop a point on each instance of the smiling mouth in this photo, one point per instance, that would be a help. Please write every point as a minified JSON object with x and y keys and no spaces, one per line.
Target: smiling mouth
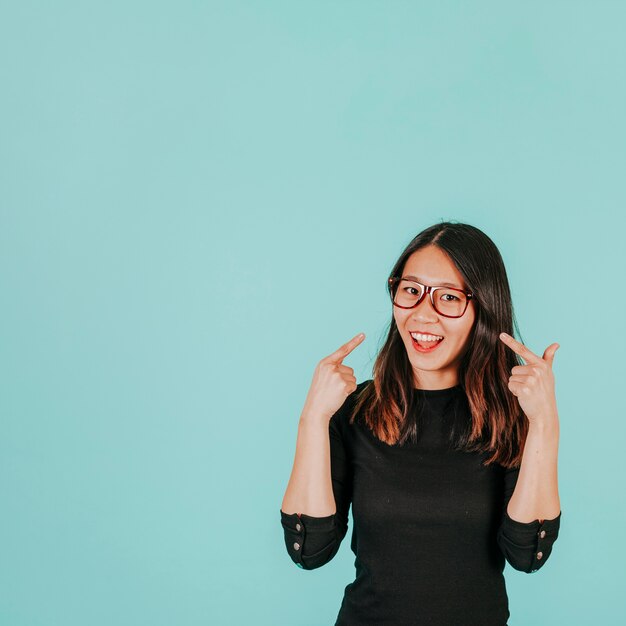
{"x":426,"y":346}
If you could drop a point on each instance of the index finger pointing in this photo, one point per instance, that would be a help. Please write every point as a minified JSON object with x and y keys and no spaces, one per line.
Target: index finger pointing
{"x":520,"y":348}
{"x":340,"y":354}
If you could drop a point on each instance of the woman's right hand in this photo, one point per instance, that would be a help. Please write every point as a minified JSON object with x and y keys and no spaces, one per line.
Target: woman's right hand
{"x":332,"y":383}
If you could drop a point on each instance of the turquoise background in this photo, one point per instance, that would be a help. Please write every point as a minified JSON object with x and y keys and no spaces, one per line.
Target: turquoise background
{"x":200,"y":200}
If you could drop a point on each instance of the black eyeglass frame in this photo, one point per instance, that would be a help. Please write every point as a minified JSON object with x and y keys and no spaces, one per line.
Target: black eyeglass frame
{"x":427,"y":289}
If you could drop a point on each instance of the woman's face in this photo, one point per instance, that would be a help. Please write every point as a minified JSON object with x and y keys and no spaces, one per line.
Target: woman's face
{"x":437,"y":369}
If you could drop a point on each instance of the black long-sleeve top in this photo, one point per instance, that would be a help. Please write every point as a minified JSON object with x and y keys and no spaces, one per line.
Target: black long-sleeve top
{"x":430,"y":527}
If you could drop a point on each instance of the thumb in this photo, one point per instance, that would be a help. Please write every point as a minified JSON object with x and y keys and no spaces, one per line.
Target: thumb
{"x":549,"y":353}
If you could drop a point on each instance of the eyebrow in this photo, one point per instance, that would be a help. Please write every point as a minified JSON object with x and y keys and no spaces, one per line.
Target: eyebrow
{"x":419,"y":280}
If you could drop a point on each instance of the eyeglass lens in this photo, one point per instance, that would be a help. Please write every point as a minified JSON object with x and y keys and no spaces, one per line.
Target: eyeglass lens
{"x":446,"y":301}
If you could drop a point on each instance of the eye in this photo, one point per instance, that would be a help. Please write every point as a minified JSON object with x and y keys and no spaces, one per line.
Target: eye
{"x":449,"y":295}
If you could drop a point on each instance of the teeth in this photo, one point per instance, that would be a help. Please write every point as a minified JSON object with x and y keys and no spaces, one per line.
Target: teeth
{"x":420,"y":337}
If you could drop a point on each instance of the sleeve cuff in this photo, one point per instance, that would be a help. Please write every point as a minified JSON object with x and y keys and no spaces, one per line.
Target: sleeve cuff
{"x":325,"y":523}
{"x":527,"y":545}
{"x":311,"y":541}
{"x":525,"y":532}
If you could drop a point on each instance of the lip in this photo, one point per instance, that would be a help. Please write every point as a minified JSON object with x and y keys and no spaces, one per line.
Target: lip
{"x":426,"y":332}
{"x":418,"y":348}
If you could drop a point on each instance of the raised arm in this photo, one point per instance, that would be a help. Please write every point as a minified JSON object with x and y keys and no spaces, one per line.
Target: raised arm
{"x":314,"y":511}
{"x":532,"y":509}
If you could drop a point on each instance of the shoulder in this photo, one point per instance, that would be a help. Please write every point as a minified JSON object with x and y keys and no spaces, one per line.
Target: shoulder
{"x":361,"y":386}
{"x":342,"y":416}
{"x":354,"y":396}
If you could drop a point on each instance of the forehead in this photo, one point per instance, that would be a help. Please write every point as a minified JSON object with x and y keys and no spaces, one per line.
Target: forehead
{"x":432,"y":266}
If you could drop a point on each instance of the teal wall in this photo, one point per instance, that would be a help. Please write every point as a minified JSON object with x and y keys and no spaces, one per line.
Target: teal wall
{"x":200,"y":200}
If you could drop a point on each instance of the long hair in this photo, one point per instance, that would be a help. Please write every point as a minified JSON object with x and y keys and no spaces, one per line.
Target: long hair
{"x":388,"y":404}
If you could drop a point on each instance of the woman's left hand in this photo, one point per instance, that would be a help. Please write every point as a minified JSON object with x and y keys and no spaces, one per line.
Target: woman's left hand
{"x":533,"y":383}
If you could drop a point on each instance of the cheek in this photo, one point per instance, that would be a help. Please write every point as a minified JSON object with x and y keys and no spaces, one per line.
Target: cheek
{"x":460,"y":336}
{"x":398,"y":318}
{"x":400,"y":322}
{"x":467,"y":335}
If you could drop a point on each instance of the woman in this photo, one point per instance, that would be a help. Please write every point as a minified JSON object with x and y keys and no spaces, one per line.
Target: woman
{"x":448,"y":456}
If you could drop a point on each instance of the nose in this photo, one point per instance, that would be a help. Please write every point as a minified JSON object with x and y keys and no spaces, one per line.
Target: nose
{"x":425,"y":310}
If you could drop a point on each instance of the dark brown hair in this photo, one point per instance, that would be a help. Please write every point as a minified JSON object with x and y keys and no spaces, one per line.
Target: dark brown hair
{"x":389,"y":405}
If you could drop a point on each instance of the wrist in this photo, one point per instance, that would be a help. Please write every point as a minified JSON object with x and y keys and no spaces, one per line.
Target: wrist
{"x":313,"y":418}
{"x":547,"y":426}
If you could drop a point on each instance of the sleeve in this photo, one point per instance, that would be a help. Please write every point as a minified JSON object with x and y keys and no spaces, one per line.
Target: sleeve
{"x":525,"y":545}
{"x":313,"y":541}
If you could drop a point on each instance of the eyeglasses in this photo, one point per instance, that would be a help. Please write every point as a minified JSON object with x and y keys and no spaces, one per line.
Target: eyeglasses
{"x":447,"y":301}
